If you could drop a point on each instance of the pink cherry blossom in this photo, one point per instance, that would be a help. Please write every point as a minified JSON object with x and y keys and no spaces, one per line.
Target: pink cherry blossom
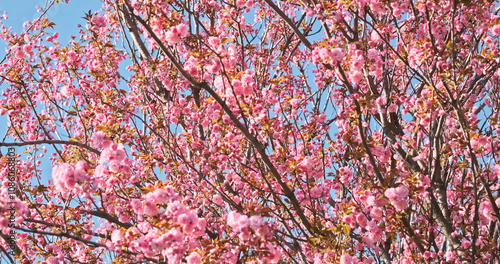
{"x":397,"y":196}
{"x":495,"y":30}
{"x":253,"y":131}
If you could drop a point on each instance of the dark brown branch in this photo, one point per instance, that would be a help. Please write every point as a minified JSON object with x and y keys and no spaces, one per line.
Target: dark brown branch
{"x":38,"y":142}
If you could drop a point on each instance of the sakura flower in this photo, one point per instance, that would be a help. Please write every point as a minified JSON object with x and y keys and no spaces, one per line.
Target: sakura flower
{"x":362,"y":220}
{"x":217,"y":199}
{"x":160,"y":196}
{"x":193,"y":258}
{"x":397,"y":196}
{"x":150,"y":208}
{"x":256,"y":222}
{"x":323,"y":54}
{"x":306,"y":165}
{"x":116,"y":236}
{"x":189,"y":220}
{"x":247,"y":90}
{"x":214,"y":42}
{"x":274,"y":254}
{"x":215,"y":67}
{"x":80,"y":171}
{"x":65,"y":178}
{"x":173,"y":236}
{"x":136,"y":206}
{"x":174,"y":35}
{"x":66,"y":91}
{"x":18,"y":52}
{"x":392,"y":108}
{"x":99,"y":136}
{"x":373,"y":54}
{"x":495,"y":30}
{"x":99,"y":21}
{"x":238,"y":222}
{"x":346,"y":259}
{"x":52,"y":260}
{"x":356,"y":76}
{"x":28,"y":49}
{"x":71,"y":56}
{"x":337,"y":54}
{"x":316,"y":192}
{"x":237,"y":87}
{"x":175,"y":209}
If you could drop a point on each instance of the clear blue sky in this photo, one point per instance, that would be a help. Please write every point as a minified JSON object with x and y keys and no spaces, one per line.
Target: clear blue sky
{"x":66,"y":16}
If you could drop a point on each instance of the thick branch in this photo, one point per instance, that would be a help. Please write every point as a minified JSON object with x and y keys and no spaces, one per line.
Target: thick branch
{"x":38,"y":142}
{"x":290,"y":23}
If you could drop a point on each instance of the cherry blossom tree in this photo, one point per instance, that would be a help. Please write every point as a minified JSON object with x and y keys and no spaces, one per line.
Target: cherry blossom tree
{"x":246,"y":131}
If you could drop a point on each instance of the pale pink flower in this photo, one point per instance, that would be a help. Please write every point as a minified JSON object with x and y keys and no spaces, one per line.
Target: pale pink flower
{"x":27,"y":48}
{"x":237,"y":221}
{"x":173,"y":236}
{"x":214,"y":42}
{"x":324,"y":54}
{"x":172,"y":38}
{"x":63,"y":177}
{"x":160,"y":196}
{"x":373,"y":54}
{"x":99,"y":21}
{"x":247,"y":90}
{"x":18,"y":52}
{"x":193,"y":258}
{"x":137,"y":206}
{"x":215,"y":67}
{"x":237,"y":87}
{"x":337,"y":54}
{"x":321,"y":118}
{"x":174,"y":35}
{"x":316,"y":191}
{"x":182,"y":30}
{"x":116,"y":236}
{"x":80,"y":172}
{"x":362,"y":220}
{"x":392,"y":108}
{"x":495,"y":30}
{"x":150,"y":208}
{"x":306,"y":165}
{"x":71,"y":56}
{"x":356,"y":76}
{"x":346,"y":259}
{"x":189,"y":220}
{"x":256,"y":222}
{"x":348,"y":219}
{"x":397,"y":196}
{"x":357,"y":64}
{"x":175,"y":209}
{"x":66,"y":91}
{"x":487,"y":210}
{"x":99,"y":136}
{"x":217,"y":199}
{"x":52,"y":260}
{"x":376,"y":213}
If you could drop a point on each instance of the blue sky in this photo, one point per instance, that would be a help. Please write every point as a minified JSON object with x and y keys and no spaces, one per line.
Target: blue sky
{"x":66,"y":16}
